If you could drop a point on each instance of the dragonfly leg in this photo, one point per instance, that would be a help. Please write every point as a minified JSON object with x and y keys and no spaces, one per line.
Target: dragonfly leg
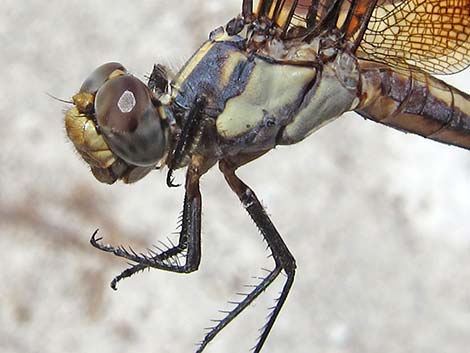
{"x":284,"y":261}
{"x":189,"y":242}
{"x":191,"y":126}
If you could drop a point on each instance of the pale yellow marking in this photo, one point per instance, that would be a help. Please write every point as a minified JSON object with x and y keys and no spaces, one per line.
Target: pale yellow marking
{"x":229,"y":66}
{"x":282,"y":18}
{"x":271,"y":10}
{"x":192,"y":63}
{"x":116,"y":73}
{"x":270,"y":88}
{"x":329,"y":101}
{"x":461,"y":103}
{"x":440,"y":91}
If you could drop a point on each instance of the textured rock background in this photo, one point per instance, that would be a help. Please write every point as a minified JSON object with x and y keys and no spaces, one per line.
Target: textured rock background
{"x":378,"y":220}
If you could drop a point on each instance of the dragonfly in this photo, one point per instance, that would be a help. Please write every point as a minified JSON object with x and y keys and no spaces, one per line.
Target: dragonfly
{"x":273,"y":75}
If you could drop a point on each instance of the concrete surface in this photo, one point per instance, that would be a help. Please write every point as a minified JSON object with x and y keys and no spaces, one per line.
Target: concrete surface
{"x":378,"y":220}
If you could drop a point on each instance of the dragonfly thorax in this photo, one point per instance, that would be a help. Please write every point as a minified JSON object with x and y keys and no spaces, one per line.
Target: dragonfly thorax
{"x":254,"y":103}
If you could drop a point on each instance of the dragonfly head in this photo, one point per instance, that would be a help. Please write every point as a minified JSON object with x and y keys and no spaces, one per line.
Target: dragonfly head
{"x":117,"y":125}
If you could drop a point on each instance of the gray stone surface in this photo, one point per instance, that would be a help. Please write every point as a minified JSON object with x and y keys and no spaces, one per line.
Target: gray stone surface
{"x":378,"y":220}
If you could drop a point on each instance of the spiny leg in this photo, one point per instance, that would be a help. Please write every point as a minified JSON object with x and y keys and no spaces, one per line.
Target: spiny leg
{"x":189,"y":238}
{"x":192,"y":123}
{"x":282,"y":257}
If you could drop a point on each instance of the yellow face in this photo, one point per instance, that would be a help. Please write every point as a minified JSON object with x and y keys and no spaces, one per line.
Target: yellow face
{"x":115,"y":125}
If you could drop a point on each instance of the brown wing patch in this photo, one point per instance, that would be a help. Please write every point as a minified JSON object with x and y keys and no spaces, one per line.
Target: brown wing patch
{"x":433,"y":35}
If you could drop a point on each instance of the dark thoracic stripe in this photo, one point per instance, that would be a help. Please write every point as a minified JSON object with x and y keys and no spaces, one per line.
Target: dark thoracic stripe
{"x":206,"y":77}
{"x":247,"y":8}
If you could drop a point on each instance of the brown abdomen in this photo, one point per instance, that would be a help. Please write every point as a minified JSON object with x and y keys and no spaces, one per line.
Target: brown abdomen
{"x":415,"y":102}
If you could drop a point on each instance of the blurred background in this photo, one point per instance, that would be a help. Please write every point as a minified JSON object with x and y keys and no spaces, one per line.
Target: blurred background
{"x":379,"y":221}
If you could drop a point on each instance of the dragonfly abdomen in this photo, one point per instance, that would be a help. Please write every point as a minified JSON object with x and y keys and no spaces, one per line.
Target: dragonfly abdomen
{"x":415,"y":102}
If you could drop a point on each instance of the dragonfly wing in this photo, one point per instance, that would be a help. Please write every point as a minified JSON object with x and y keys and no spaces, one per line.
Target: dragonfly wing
{"x":432,"y":35}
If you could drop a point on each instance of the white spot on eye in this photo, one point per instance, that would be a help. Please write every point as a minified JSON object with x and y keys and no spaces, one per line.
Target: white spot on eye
{"x":126,"y":102}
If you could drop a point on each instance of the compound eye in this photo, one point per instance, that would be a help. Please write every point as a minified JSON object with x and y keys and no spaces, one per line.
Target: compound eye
{"x":99,"y":76}
{"x":129,"y":121}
